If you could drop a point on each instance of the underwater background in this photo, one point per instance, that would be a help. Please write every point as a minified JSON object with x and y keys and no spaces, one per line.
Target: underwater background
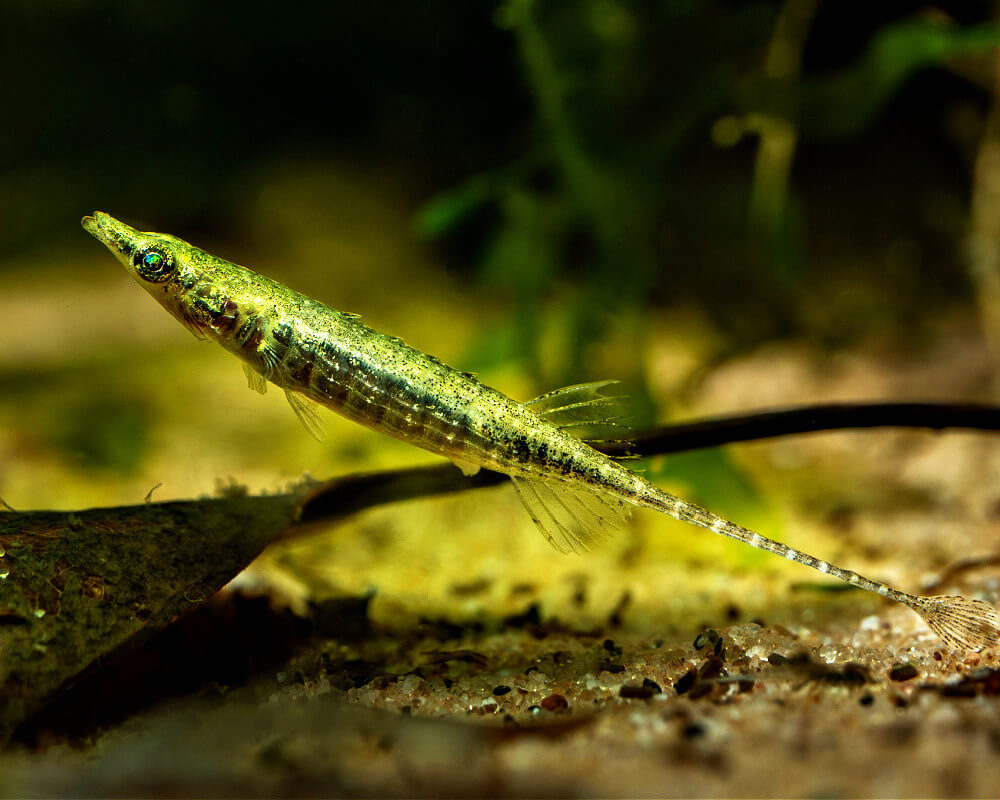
{"x":727,"y":206}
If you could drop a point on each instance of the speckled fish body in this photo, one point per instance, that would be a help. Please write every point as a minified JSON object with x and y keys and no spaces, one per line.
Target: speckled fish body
{"x":574,"y":494}
{"x":332,"y":358}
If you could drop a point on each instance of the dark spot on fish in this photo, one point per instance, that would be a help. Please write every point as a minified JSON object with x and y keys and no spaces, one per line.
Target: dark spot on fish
{"x":250,"y":334}
{"x":226,"y":316}
{"x":302,"y":373}
{"x":282,"y":334}
{"x":519,"y":444}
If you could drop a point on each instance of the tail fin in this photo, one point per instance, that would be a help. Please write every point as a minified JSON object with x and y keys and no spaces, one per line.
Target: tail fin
{"x":961,"y":622}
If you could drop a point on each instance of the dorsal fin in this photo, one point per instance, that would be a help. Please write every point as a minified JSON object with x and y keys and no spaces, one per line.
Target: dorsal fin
{"x":583,"y":411}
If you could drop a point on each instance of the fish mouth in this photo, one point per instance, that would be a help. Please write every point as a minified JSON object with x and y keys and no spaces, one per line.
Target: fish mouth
{"x":118,"y":237}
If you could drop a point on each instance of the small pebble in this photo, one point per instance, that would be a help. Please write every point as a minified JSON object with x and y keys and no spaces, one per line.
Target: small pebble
{"x":903,"y":672}
{"x":700,"y":641}
{"x":653,"y":685}
{"x":866,"y":699}
{"x":684,"y":683}
{"x":712,"y":668}
{"x":607,"y":666}
{"x":500,"y":691}
{"x":632,"y":692}
{"x":776,"y":659}
{"x":555,"y":703}
{"x":693,"y":730}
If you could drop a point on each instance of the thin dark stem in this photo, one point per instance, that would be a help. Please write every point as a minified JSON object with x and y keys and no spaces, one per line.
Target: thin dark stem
{"x":717,"y":431}
{"x":348,"y":495}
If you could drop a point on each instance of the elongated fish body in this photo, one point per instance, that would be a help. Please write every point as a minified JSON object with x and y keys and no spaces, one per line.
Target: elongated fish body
{"x":575,"y":494}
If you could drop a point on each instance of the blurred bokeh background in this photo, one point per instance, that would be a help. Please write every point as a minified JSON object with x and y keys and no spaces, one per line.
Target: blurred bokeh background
{"x":726,"y":205}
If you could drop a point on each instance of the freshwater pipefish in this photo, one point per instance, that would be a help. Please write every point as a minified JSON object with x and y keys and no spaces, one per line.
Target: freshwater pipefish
{"x":574,"y":494}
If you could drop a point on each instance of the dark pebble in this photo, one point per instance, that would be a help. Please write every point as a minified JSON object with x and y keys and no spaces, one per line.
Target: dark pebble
{"x":903,"y":672}
{"x":693,"y":730}
{"x":633,"y":692}
{"x":700,"y":641}
{"x":500,"y":691}
{"x":555,"y":702}
{"x":713,"y":636}
{"x":608,"y":666}
{"x":718,"y":647}
{"x":712,"y":668}
{"x":653,"y":685}
{"x":963,"y":690}
{"x":702,"y":689}
{"x":684,"y":683}
{"x":776,"y":659}
{"x":866,"y":699}
{"x":610,"y":646}
{"x":530,"y":616}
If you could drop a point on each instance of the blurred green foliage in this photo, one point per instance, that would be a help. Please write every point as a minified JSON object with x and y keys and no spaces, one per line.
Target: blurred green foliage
{"x":625,"y":92}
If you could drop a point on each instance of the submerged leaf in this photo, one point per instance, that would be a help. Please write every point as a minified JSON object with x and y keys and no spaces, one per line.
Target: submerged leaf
{"x":76,"y":587}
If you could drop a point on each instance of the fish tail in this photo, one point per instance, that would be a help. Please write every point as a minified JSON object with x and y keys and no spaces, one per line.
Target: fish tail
{"x":958,"y":621}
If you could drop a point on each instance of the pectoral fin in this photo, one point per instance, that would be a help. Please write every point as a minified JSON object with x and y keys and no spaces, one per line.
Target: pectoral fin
{"x":307,"y":415}
{"x":255,"y":380}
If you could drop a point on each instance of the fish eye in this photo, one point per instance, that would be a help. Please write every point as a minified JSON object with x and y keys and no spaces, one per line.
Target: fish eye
{"x":153,"y":264}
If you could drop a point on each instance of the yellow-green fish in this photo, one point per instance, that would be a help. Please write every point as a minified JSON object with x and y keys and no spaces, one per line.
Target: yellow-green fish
{"x":574,"y":494}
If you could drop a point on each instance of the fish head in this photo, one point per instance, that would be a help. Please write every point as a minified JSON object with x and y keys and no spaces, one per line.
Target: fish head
{"x":181,"y":277}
